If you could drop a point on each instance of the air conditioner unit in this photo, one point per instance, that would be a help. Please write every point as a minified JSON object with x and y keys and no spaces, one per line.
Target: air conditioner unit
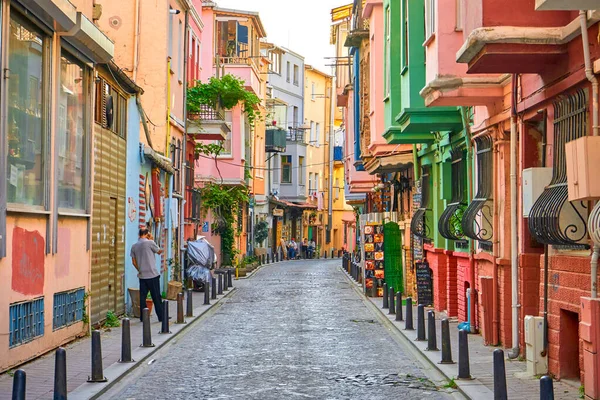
{"x":583,"y":162}
{"x":534,"y":182}
{"x":534,"y":344}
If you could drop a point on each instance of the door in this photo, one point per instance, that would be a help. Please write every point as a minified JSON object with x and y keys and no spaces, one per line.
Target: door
{"x":114,"y":286}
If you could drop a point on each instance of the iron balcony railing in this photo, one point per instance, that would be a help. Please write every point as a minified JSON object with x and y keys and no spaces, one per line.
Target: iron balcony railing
{"x":207,"y":113}
{"x":418,"y":225}
{"x":295,"y":134}
{"x":477,"y":221}
{"x":554,"y":220}
{"x":450,"y":223}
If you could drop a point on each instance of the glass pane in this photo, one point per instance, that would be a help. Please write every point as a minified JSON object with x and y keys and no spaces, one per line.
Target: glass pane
{"x":25,"y":168}
{"x":71,"y":135}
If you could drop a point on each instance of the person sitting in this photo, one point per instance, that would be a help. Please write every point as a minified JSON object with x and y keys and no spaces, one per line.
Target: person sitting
{"x":304,"y":248}
{"x":311,"y":248}
{"x":292,"y":248}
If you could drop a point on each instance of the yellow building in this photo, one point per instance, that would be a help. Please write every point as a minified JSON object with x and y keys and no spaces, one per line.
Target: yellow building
{"x":322,"y":176}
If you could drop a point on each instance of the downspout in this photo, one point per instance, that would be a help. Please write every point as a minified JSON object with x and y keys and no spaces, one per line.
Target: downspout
{"x":136,"y":39}
{"x":514,"y":256}
{"x":495,"y":280}
{"x":589,"y":73}
{"x":183,"y":157}
{"x":142,"y":113}
{"x":168,"y":138}
{"x":331,"y":138}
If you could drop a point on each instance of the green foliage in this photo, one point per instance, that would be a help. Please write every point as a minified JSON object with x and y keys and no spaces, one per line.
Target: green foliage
{"x":175,"y":269}
{"x":163,"y":295}
{"x":226,"y":92}
{"x":85,"y":318}
{"x":261,"y":231}
{"x":456,"y":222}
{"x":247,"y":260}
{"x":582,"y":392}
{"x":112,"y":321}
{"x":210,"y":149}
{"x":149,"y":296}
{"x":451,"y":384}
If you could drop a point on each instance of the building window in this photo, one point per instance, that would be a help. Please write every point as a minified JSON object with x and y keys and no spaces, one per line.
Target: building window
{"x":449,"y":224}
{"x":317,"y":134}
{"x":419,"y":225}
{"x":388,"y":57}
{"x":72,"y":135}
{"x":27,"y":102}
{"x":275,"y":65}
{"x":110,"y":108}
{"x":180,"y":52}
{"x":404,"y":52}
{"x":170,"y":33}
{"x":429,"y":18}
{"x":312,"y":133}
{"x":176,"y":161}
{"x":227,"y":142}
{"x":296,"y":75}
{"x":311,"y":184}
{"x":26,"y":321}
{"x":68,"y":308}
{"x":312,"y":91}
{"x":286,"y":169}
{"x":300,"y":170}
{"x":288,"y":72}
{"x":337,"y":188}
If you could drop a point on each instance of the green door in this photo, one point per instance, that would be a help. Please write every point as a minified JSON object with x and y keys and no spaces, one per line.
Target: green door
{"x":392,"y":247}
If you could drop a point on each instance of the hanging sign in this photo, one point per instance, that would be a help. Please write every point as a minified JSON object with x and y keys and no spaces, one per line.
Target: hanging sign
{"x":278,"y":212}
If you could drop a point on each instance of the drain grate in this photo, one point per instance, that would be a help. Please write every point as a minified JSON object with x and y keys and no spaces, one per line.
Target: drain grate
{"x":366,"y":321}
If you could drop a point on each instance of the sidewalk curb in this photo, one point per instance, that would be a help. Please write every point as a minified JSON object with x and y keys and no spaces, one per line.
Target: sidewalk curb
{"x":463,"y":387}
{"x":117,"y":372}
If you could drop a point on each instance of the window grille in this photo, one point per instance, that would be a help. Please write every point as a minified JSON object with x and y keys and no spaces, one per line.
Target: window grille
{"x":477,"y":222}
{"x":418,"y":225}
{"x":449,"y":224}
{"x":26,"y":321}
{"x":553,"y":219}
{"x":68,"y":308}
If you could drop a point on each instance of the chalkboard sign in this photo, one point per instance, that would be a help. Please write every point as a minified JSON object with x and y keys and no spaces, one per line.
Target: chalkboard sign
{"x":424,"y":284}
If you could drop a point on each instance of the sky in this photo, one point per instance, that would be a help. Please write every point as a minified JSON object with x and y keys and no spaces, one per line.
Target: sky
{"x":299,"y":25}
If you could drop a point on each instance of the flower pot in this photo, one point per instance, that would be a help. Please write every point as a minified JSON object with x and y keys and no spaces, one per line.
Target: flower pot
{"x":242,"y":271}
{"x":149,"y":304}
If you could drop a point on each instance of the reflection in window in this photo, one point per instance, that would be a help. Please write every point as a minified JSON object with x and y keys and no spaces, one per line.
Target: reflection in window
{"x":71,"y":135}
{"x":25,"y":172}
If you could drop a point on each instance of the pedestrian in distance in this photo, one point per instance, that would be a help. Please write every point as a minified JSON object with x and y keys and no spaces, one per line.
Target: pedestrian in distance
{"x":143,"y":257}
{"x":292,"y":249}
{"x":311,"y":248}
{"x":305,"y":248}
{"x":284,"y":249}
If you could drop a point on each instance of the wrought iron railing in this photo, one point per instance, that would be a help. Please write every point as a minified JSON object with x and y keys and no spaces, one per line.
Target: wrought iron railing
{"x":295,"y":135}
{"x":207,"y":113}
{"x":450,"y":223}
{"x":553,"y":219}
{"x":418,"y":225}
{"x":477,"y":221}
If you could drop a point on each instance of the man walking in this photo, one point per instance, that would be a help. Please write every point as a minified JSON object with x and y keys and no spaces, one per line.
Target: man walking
{"x":144,"y":260}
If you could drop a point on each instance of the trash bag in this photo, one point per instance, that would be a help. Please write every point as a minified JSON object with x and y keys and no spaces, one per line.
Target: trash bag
{"x":200,"y":253}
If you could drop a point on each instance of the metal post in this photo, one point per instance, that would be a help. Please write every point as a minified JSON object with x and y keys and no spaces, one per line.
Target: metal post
{"x":421,"y":323}
{"x":19,"y":385}
{"x":165,"y":319}
{"x":399,"y":306}
{"x":206,"y":293}
{"x":229,"y":278}
{"x":97,"y":371}
{"x":391,"y":301}
{"x":268,"y":259}
{"x":375,"y":287}
{"x":464,"y":370}
{"x":189,"y":311}
{"x":146,"y":334}
{"x":213,"y":285}
{"x":180,"y":319}
{"x":220,"y":284}
{"x":60,"y":374}
{"x":385,"y":296}
{"x":126,"y":341}
{"x":546,"y":388}
{"x":500,"y":391}
{"x":408,"y":324}
{"x":431,"y":335}
{"x":446,"y":344}
{"x":276,"y":256}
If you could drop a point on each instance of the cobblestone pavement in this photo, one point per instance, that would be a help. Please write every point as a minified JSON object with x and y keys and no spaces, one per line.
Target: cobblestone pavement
{"x":296,"y":330}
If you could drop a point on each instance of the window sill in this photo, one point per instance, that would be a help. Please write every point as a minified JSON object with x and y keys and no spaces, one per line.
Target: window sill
{"x":18,"y":208}
{"x":73,"y":214}
{"x":225,"y":157}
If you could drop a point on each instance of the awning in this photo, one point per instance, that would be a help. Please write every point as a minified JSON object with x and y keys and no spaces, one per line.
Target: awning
{"x":290,"y":204}
{"x":160,"y":161}
{"x":390,"y":163}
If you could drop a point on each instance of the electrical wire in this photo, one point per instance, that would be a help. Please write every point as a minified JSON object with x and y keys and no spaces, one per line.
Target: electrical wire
{"x":266,"y":169}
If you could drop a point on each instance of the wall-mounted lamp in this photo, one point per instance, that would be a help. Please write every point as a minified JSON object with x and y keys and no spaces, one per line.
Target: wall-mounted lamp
{"x":174,"y":11}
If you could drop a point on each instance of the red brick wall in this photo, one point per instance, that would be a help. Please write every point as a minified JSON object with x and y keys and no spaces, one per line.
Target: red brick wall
{"x":483,"y":267}
{"x":451,"y":285}
{"x":438,"y":264}
{"x":529,"y":282}
{"x":505,"y":305}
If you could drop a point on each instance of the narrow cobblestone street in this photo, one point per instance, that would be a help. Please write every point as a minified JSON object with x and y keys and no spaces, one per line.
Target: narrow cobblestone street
{"x":294,"y":330}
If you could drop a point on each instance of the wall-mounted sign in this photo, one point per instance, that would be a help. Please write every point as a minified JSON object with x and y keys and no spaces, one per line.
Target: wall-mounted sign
{"x":205,"y":226}
{"x":278,"y":212}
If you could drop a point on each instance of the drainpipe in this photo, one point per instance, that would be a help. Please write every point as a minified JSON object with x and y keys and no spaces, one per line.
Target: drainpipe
{"x":183,"y":157}
{"x":514,"y":256}
{"x":589,"y":73}
{"x":136,"y":39}
{"x":331,"y":138}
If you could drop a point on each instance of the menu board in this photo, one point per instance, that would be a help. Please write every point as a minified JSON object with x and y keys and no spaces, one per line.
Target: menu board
{"x":374,"y":256}
{"x":424,"y":283}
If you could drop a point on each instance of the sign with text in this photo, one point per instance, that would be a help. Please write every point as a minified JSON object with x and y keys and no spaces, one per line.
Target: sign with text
{"x":424,"y":283}
{"x":278,"y":212}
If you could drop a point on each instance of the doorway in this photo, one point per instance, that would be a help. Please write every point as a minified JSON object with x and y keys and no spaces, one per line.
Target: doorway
{"x":568,"y":353}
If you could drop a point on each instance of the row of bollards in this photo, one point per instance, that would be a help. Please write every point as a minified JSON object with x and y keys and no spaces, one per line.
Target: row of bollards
{"x":60,"y":367}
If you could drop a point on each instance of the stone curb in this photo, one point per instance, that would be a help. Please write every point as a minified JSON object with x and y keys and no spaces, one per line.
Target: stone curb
{"x":117,"y":371}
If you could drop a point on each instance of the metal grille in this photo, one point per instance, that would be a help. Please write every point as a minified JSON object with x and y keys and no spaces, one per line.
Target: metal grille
{"x":553,"y":219}
{"x":68,"y":308}
{"x":450,"y":221}
{"x":477,"y":222}
{"x":418,"y":225}
{"x":26,"y":321}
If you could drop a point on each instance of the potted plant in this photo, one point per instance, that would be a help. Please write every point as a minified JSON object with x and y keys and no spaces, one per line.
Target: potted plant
{"x":149,"y":303}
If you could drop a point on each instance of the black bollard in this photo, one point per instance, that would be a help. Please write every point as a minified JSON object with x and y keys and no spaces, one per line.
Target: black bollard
{"x":126,"y":341}
{"x":431,"y":335}
{"x":220,"y":284}
{"x":385,"y":296}
{"x":146,"y":334}
{"x":391,"y":301}
{"x":229,"y":278}
{"x":97,"y":370}
{"x":164,"y":328}
{"x":189,"y":310}
{"x":421,"y":323}
{"x":277,"y":257}
{"x":262,"y":259}
{"x":399,"y":306}
{"x":206,"y":293}
{"x":500,"y":391}
{"x":546,"y":388}
{"x":60,"y":374}
{"x":268,"y":259}
{"x":374,"y":289}
{"x":446,"y":344}
{"x":19,"y":385}
{"x":408,"y":324}
{"x":180,"y":319}
{"x":464,"y":370}
{"x":213,"y":285}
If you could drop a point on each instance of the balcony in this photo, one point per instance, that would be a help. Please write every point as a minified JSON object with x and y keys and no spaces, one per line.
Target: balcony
{"x":359,"y":28}
{"x":208,"y":124}
{"x":338,"y":154}
{"x":275,"y":140}
{"x":511,"y":37}
{"x":295,"y":135}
